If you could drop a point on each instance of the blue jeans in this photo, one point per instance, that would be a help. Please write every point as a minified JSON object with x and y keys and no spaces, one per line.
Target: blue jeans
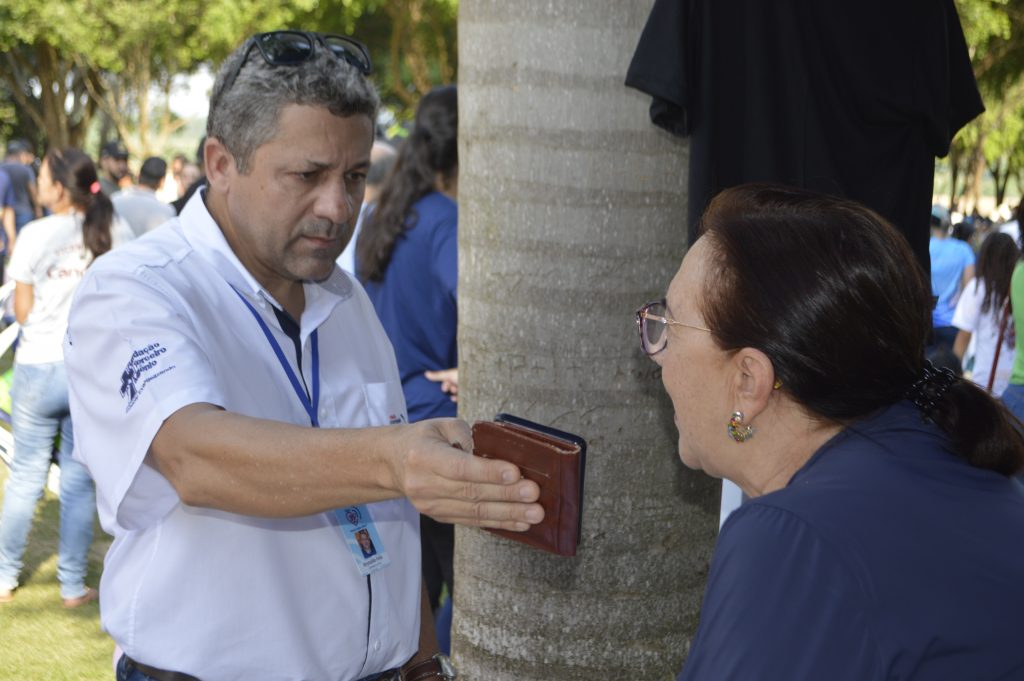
{"x":39,"y":395}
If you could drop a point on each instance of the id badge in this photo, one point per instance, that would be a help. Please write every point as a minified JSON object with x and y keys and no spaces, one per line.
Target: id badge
{"x":362,"y":539}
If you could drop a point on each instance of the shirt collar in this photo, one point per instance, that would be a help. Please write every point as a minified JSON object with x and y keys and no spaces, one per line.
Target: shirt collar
{"x":205,"y":236}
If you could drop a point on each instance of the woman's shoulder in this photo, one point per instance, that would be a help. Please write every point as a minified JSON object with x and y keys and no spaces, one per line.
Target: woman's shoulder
{"x":48,"y":222}
{"x":436,"y":206}
{"x":431,"y":216}
{"x":45,"y":230}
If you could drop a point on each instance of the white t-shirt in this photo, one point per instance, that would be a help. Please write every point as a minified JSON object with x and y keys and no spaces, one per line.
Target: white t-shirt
{"x":984,"y":328}
{"x":157,"y":326}
{"x":50,"y":256}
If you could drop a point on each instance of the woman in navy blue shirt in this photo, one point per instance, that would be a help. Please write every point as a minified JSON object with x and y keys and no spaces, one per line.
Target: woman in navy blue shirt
{"x":406,"y":257}
{"x":884,"y":538}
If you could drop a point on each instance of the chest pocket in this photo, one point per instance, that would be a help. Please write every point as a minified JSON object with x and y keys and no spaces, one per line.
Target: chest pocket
{"x":385,"y":403}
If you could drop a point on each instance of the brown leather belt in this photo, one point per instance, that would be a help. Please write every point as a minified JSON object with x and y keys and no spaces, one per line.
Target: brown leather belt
{"x":158,"y":674}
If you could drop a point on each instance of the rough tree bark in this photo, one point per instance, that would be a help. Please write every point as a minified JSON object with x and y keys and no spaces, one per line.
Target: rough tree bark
{"x":572,"y":214}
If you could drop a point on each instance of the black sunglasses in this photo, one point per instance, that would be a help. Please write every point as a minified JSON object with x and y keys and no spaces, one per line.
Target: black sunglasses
{"x":289,"y":48}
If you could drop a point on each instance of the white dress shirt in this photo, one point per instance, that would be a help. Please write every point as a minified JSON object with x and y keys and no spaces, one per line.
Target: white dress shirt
{"x":157,"y":326}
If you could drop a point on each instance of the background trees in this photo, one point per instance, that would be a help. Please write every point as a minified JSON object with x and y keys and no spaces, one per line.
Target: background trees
{"x":993,"y":142}
{"x":64,"y":63}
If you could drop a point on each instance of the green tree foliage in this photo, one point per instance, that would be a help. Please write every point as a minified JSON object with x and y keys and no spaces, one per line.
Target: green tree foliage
{"x":412,"y":43}
{"x":995,"y":35}
{"x":66,"y":61}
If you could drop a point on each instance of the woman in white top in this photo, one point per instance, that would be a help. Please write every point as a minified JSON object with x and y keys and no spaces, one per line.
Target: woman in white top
{"x":980,"y":309}
{"x":48,"y":262}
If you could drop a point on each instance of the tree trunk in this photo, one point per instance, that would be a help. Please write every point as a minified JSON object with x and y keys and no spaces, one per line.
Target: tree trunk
{"x":954,"y":175}
{"x":573,"y":214}
{"x":1001,"y":176}
{"x":978,"y":177}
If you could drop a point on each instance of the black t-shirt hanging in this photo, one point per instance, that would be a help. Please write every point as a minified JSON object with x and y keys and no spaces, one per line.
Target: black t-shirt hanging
{"x":850,"y":98}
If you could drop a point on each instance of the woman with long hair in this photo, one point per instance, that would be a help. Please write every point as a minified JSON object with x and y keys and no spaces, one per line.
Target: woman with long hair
{"x":49,"y":260}
{"x":406,"y":256}
{"x":981,"y":309}
{"x":882,"y":537}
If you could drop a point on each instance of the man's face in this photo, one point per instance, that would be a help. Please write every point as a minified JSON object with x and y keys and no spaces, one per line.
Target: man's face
{"x":114,"y":166}
{"x":291,"y":216}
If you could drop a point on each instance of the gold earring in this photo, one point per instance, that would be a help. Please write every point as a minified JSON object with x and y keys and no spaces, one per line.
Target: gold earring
{"x":737,"y":431}
{"x":777,"y":385}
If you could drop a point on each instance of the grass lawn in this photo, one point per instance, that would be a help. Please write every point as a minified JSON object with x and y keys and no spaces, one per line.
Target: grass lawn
{"x":39,"y":639}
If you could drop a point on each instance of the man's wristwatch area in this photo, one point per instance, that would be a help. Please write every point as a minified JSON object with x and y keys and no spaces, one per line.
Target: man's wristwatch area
{"x":437,"y":667}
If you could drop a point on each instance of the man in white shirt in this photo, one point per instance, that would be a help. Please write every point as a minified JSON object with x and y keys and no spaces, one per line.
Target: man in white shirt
{"x":139,"y":205}
{"x":239,"y":406}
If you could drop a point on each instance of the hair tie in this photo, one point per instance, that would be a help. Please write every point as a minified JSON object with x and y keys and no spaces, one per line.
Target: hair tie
{"x":94,"y":188}
{"x":929,"y":388}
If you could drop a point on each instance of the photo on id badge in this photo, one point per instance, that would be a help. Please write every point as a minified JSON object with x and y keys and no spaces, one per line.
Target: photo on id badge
{"x":362,"y":539}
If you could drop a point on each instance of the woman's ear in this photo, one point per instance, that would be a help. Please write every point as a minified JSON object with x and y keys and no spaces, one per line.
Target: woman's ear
{"x":754,"y":381}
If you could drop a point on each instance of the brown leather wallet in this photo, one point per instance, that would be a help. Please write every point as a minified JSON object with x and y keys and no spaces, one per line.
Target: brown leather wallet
{"x":556,"y":461}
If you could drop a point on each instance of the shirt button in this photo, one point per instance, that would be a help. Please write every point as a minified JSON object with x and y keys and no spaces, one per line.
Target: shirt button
{"x":376,"y":646}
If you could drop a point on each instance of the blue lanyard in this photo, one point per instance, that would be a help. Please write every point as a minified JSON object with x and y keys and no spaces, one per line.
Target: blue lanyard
{"x":310,"y":405}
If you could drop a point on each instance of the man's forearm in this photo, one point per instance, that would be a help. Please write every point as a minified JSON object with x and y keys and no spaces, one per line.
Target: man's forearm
{"x":222,"y":460}
{"x":218,"y":459}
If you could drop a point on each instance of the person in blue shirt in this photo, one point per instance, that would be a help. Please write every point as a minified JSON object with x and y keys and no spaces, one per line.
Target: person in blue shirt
{"x":952,"y":262}
{"x":882,"y":538}
{"x":7,"y":217}
{"x":407,"y":258}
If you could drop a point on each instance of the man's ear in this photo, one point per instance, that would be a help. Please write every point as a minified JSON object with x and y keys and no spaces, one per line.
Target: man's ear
{"x":219,"y":163}
{"x":754,"y":381}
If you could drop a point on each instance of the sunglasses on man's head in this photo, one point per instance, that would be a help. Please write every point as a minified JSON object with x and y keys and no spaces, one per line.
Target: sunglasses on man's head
{"x":290,"y":48}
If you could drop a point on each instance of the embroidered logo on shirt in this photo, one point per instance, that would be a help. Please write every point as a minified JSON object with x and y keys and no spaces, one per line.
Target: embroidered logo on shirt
{"x":394,"y":419}
{"x":139,"y":372}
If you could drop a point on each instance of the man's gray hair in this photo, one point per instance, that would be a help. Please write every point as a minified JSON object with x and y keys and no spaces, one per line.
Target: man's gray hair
{"x":246,"y":116}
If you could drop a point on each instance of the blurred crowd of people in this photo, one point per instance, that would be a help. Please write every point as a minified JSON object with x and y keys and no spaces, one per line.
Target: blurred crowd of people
{"x":972,"y":262}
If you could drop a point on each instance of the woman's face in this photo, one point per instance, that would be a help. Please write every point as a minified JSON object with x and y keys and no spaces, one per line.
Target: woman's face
{"x":695,"y":371}
{"x":49,"y":191}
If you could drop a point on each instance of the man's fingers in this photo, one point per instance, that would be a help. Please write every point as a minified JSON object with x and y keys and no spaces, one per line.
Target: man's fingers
{"x":500,"y":515}
{"x":524,"y":491}
{"x":478,"y":469}
{"x":457,"y":487}
{"x":465,"y":477}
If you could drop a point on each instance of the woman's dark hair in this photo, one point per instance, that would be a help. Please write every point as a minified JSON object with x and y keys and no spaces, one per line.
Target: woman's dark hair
{"x":431,"y":150}
{"x":75,"y":171}
{"x":996,"y":260}
{"x":833,"y":295}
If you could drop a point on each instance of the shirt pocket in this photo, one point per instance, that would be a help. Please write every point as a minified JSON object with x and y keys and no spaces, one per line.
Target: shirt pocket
{"x":385,"y":403}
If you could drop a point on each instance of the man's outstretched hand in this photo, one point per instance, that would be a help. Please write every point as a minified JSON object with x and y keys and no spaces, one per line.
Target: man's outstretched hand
{"x":436,"y":470}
